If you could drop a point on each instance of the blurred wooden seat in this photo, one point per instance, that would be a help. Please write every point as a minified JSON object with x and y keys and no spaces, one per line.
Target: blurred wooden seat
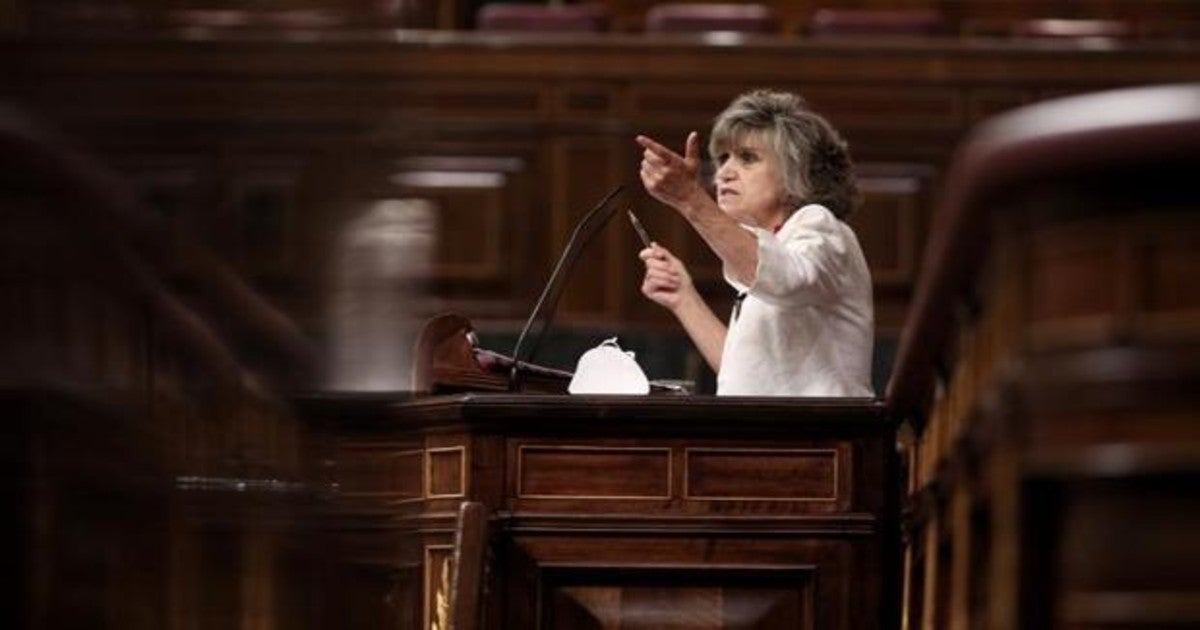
{"x":838,"y":22}
{"x":1072,"y":28}
{"x":1059,"y":279}
{"x":470,"y":563}
{"x":459,"y":579}
{"x":688,"y":17}
{"x":586,"y":17}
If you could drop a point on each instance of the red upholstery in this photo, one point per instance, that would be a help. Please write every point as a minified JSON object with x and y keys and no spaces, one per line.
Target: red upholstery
{"x":237,"y":18}
{"x":827,"y":22}
{"x":538,"y":17}
{"x":83,"y":16}
{"x":1050,"y":27}
{"x":697,"y":17}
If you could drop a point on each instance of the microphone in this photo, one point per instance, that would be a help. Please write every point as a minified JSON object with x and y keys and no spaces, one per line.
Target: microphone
{"x":543,"y":312}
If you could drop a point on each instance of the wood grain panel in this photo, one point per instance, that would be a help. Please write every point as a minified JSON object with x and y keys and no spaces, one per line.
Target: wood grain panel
{"x":446,"y":472}
{"x":1171,"y":307}
{"x":588,"y":102}
{"x":437,"y":579}
{"x":568,"y":107}
{"x":1076,"y":275}
{"x":733,"y":474}
{"x":696,"y":597}
{"x":681,"y":103}
{"x":456,"y":99}
{"x":586,"y":168}
{"x":890,"y":223}
{"x":375,"y":470}
{"x":582,"y":472}
{"x":472,"y":221}
{"x":265,"y":215}
{"x":893,"y":107}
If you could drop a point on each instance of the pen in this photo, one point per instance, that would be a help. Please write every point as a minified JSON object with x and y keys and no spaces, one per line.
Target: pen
{"x":637,"y":226}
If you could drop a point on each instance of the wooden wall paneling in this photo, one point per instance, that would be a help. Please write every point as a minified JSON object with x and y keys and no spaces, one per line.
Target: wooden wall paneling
{"x":583,"y":169}
{"x":262,"y":198}
{"x":481,"y":96}
{"x":477,"y":219}
{"x":594,"y":104}
{"x":471,"y":225}
{"x":667,"y":111}
{"x":476,"y":98}
{"x":891,"y":227}
{"x":1168,"y":304}
{"x":891,"y":223}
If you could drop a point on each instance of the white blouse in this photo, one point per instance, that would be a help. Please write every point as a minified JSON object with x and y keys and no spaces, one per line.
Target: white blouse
{"x":806,"y":327}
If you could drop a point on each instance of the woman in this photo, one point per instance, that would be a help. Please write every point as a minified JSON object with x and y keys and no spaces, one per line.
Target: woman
{"x":803,"y":321}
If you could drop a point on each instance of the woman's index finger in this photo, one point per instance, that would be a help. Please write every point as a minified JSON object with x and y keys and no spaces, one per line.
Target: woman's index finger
{"x":658,"y":149}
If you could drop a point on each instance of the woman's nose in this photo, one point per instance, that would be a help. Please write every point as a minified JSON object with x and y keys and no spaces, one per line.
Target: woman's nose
{"x":724,"y":172}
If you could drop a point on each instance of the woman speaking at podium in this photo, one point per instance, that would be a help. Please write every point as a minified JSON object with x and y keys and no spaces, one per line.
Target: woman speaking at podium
{"x":802,"y":323}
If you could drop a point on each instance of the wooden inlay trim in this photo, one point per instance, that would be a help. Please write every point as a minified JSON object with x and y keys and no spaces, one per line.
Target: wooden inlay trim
{"x":433,"y":573}
{"x":593,"y":472}
{"x":433,"y":486}
{"x":761,"y":474}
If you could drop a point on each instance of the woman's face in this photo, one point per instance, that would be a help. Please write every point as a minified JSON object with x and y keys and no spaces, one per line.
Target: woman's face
{"x":749,"y":183}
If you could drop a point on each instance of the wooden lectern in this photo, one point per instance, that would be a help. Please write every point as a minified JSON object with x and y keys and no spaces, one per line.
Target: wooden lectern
{"x":616,"y":511}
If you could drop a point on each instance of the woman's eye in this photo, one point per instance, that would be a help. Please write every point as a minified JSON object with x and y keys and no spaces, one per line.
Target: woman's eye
{"x":722,"y":159}
{"x":748,"y":157}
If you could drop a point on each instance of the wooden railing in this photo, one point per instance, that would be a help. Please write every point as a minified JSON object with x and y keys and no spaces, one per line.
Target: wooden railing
{"x":152,"y":469}
{"x":1047,"y":369}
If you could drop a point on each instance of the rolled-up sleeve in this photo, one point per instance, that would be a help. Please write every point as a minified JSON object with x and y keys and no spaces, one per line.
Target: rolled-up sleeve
{"x":804,"y":264}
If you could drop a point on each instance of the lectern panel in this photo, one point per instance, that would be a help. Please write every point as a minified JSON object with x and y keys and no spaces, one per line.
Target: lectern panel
{"x":763,"y":473}
{"x":695,"y":597}
{"x":583,"y":472}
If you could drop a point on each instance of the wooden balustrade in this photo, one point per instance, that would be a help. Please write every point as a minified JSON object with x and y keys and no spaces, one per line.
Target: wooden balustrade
{"x":152,"y":472}
{"x":1048,"y":370}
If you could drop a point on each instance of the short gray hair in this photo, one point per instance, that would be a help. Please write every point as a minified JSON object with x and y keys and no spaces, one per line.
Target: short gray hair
{"x":814,"y":158}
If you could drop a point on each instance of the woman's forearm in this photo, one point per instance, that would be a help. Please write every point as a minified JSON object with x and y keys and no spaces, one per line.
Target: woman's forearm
{"x":735,"y":246}
{"x":702,"y":325}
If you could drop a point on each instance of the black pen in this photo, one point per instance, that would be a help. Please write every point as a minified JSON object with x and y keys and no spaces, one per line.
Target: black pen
{"x":637,"y":226}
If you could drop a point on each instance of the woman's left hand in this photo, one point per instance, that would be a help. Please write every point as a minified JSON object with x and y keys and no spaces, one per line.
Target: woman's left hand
{"x":667,"y":280}
{"x":669,"y":177}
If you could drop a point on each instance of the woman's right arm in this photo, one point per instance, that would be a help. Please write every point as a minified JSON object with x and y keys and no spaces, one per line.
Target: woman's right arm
{"x":668,"y":283}
{"x":674,"y":180}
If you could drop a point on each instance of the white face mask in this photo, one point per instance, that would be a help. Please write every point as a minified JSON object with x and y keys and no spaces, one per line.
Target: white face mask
{"x":607,"y":369}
